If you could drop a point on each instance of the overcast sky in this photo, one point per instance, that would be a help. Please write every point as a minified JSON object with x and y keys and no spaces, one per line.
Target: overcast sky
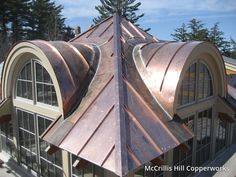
{"x":162,"y":16}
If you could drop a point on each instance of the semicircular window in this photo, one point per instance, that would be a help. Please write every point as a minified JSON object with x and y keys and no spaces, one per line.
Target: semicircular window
{"x":34,"y":83}
{"x":196,"y":84}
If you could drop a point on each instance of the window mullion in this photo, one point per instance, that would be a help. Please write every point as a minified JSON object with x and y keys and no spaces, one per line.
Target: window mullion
{"x":33,"y":75}
{"x":197,"y":82}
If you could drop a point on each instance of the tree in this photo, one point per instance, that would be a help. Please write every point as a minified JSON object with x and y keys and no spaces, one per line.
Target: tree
{"x":126,"y":8}
{"x":180,"y":33}
{"x":18,"y":18}
{"x":68,"y":33}
{"x":4,"y":20}
{"x":233,"y":48}
{"x":46,"y":21}
{"x":196,"y":30}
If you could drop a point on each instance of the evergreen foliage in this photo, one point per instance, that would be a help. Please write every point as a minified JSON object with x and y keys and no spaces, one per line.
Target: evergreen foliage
{"x":126,"y":8}
{"x":196,"y":30}
{"x":31,"y":19}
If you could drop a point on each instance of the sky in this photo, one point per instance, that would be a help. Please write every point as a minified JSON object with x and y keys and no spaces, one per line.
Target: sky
{"x":162,"y":16}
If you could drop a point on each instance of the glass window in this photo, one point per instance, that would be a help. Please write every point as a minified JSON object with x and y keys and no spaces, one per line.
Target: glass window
{"x":7,"y":138}
{"x":205,"y":82}
{"x":203,"y":136}
{"x":221,"y":134}
{"x":195,"y":82}
{"x":45,"y":91}
{"x":184,"y":158}
{"x":89,"y":171}
{"x":148,"y":173}
{"x":44,"y":87}
{"x":188,"y":85}
{"x":31,"y":144}
{"x":24,"y":82}
{"x":27,"y":140}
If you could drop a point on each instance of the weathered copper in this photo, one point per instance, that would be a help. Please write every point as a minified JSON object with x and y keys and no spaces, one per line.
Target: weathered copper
{"x":118,"y":124}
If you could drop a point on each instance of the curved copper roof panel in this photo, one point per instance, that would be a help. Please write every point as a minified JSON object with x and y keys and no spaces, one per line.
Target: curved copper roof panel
{"x":74,"y":64}
{"x":161,"y":65}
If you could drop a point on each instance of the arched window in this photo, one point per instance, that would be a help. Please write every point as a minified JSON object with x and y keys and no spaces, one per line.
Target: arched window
{"x":34,"y":83}
{"x":196,"y":87}
{"x":196,"y":84}
{"x":204,"y":82}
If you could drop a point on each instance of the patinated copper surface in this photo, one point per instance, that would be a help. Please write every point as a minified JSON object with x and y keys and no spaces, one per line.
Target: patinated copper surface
{"x":118,"y":125}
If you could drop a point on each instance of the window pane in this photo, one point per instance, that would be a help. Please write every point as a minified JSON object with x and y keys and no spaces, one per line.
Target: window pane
{"x":98,"y":171}
{"x":39,"y":73}
{"x":205,"y":88}
{"x":187,"y":90}
{"x":203,"y":136}
{"x":45,"y":90}
{"x":24,"y":82}
{"x":19,"y":88}
{"x":88,"y":170}
{"x":46,"y":77}
{"x":181,"y":157}
{"x":40,"y":93}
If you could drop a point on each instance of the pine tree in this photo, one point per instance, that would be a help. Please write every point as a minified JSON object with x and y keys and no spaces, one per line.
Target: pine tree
{"x":126,"y":8}
{"x":197,"y":30}
{"x":180,"y":34}
{"x":4,"y":18}
{"x":217,"y":37}
{"x":47,"y":22}
{"x":68,"y":33}
{"x":233,"y":48}
{"x":4,"y":21}
{"x":18,"y":18}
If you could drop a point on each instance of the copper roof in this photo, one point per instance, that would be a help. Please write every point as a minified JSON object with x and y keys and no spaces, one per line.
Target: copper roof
{"x":119,"y":124}
{"x":74,"y":65}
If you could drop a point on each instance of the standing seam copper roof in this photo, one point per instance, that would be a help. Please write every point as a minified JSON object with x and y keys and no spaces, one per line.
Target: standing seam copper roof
{"x":118,"y":124}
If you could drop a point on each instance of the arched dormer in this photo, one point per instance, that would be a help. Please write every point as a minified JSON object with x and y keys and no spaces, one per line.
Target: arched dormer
{"x":69,"y":64}
{"x":162,"y":67}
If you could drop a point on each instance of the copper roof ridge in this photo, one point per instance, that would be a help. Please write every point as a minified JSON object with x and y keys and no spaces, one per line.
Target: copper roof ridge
{"x":120,"y":150}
